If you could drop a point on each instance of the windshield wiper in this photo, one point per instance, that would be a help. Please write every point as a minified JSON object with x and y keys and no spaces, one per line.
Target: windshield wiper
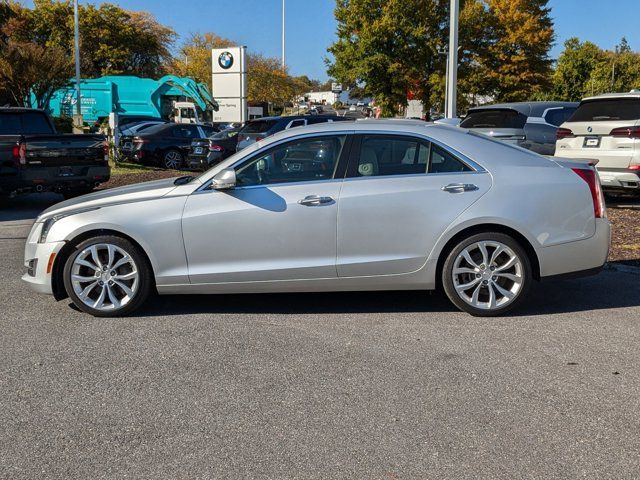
{"x":183,"y":180}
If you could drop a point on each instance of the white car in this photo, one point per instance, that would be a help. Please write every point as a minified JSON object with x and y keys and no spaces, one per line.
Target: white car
{"x":341,"y":206}
{"x":606,"y":128}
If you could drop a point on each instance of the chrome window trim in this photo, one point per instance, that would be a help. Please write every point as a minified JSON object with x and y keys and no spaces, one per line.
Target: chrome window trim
{"x":475,"y":167}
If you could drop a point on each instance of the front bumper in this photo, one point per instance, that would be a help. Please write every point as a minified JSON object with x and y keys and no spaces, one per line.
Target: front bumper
{"x":573,"y":257}
{"x":37,"y":258}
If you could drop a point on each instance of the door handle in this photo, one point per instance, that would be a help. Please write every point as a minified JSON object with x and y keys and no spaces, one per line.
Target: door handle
{"x":459,"y":187}
{"x":315,"y":200}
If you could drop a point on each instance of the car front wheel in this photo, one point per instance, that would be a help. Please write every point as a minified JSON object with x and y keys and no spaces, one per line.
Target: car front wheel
{"x":487,"y":274}
{"x":107,"y":276}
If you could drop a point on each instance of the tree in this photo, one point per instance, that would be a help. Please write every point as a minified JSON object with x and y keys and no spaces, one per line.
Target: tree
{"x":572,"y":78}
{"x":112,"y":40}
{"x":517,"y":60}
{"x":27,"y":68}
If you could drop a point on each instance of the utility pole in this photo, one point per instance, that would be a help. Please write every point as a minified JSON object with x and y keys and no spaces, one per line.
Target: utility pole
{"x":452,"y":74}
{"x":283,"y":57}
{"x":76,"y":31}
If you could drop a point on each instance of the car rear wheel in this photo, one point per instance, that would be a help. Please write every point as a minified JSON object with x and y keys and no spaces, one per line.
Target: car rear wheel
{"x":107,"y":276}
{"x":172,"y":160}
{"x":487,"y":274}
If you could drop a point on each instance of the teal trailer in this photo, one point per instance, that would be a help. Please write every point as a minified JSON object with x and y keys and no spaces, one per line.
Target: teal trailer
{"x":129,"y":95}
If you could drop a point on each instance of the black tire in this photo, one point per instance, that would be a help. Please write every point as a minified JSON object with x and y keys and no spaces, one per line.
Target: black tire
{"x":172,"y":159}
{"x":455,"y":297}
{"x":145,"y":276}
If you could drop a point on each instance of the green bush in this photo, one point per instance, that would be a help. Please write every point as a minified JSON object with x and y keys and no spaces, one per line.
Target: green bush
{"x":63,"y":124}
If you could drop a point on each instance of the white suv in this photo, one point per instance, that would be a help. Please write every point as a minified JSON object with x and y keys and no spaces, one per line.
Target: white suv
{"x":606,"y":128}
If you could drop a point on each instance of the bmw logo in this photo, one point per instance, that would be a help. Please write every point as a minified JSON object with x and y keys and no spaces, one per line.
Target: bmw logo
{"x":589,"y":129}
{"x":225,"y":60}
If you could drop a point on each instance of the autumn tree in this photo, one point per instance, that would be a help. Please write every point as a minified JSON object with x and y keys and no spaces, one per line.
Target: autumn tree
{"x":194,"y":56}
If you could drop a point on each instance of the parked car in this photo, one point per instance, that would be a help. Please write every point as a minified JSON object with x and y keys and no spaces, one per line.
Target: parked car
{"x":606,"y":128}
{"x":369,"y":205}
{"x":531,"y":125}
{"x":165,"y":145}
{"x":35,"y":158}
{"x":206,"y":152}
{"x":134,"y":128}
{"x":256,"y":130}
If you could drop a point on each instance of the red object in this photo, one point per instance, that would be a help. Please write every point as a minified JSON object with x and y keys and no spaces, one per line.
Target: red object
{"x":564,"y":133}
{"x":215,"y":148}
{"x":590,"y":176}
{"x":20,"y":154}
{"x":634,"y":167}
{"x":259,"y":138}
{"x":629,"y":132}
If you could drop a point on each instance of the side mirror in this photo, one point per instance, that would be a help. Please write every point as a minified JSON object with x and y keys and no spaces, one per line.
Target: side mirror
{"x":224,"y":179}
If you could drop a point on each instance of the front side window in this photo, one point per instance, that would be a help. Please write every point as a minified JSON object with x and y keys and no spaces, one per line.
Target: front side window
{"x":298,"y":161}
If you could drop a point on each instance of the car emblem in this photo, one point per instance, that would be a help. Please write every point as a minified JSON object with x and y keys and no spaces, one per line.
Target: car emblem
{"x":589,"y":129}
{"x":225,"y":60}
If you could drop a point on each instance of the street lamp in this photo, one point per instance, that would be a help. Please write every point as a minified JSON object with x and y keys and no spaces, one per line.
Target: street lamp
{"x":76,"y":31}
{"x":452,"y":64}
{"x":283,"y":58}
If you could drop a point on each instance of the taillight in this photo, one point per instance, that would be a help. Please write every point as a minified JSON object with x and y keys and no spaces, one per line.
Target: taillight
{"x":634,"y":167}
{"x":564,"y":133}
{"x":591,"y":177}
{"x":258,"y":138}
{"x":20,"y":153}
{"x":628,"y":132}
{"x":215,"y":148}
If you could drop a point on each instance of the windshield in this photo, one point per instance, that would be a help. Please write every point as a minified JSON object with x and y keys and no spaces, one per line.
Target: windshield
{"x":605,"y":109}
{"x":224,"y":134}
{"x":494,"y":118}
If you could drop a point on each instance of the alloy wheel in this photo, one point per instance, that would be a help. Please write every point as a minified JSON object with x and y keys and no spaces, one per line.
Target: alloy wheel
{"x":172,"y":160}
{"x":488,"y":275}
{"x":104,"y":277}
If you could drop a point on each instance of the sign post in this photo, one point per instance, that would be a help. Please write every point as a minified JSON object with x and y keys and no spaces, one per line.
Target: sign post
{"x":229,"y":82}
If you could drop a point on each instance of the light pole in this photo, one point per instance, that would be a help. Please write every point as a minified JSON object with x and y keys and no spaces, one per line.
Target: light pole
{"x":76,"y":32}
{"x":452,"y":64}
{"x":283,"y":57}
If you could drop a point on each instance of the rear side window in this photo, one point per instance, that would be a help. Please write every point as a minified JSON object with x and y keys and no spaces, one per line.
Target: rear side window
{"x":444,"y":162}
{"x":607,"y":109}
{"x":498,"y":118}
{"x":260,"y":126}
{"x":558,"y":116}
{"x":27,"y":123}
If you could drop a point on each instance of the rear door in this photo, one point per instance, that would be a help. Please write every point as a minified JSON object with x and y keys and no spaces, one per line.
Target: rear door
{"x":591,"y":126}
{"x":400,"y":194}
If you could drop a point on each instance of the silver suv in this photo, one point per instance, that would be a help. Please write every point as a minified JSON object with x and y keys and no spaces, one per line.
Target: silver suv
{"x":606,"y":128}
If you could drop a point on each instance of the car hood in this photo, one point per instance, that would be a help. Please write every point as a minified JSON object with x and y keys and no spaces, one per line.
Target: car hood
{"x":127,"y":194}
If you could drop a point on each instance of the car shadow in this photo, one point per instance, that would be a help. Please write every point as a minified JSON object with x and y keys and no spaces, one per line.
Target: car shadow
{"x":610,"y":289}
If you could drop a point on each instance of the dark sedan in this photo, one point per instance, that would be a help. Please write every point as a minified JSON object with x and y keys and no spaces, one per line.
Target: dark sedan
{"x":165,"y":145}
{"x":207,"y":152}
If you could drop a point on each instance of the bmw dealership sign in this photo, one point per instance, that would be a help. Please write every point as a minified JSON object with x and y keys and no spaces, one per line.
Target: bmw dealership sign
{"x":229,"y":82}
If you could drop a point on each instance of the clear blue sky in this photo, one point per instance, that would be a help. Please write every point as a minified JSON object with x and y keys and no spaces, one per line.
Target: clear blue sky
{"x":311,"y":26}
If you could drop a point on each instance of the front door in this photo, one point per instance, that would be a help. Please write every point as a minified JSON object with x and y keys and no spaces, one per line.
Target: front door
{"x":279,"y":223}
{"x":400,"y":195}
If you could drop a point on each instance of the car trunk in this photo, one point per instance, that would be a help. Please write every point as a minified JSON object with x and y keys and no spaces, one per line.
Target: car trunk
{"x":64,"y":150}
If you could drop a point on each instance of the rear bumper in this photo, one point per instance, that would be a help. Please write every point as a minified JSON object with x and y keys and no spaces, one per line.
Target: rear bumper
{"x":49,"y":178}
{"x":619,"y":179}
{"x":574,"y":258}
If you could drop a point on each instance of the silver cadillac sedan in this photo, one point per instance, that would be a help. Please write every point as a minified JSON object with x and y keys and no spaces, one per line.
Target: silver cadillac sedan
{"x":369,"y":205}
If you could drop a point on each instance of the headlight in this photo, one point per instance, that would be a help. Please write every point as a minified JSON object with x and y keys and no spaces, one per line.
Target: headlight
{"x":48,"y":223}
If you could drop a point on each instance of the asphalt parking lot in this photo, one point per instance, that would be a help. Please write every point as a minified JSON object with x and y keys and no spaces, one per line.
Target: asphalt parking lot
{"x":362,"y":385}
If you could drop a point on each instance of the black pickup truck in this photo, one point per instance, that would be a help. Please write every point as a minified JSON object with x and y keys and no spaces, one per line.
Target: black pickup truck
{"x":35,"y":158}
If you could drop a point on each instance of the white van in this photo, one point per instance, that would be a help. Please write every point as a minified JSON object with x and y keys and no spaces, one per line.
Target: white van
{"x":606,"y":128}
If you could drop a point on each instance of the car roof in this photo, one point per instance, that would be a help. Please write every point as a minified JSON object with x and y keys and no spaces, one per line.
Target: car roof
{"x":631,"y":94}
{"x":530,"y":109}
